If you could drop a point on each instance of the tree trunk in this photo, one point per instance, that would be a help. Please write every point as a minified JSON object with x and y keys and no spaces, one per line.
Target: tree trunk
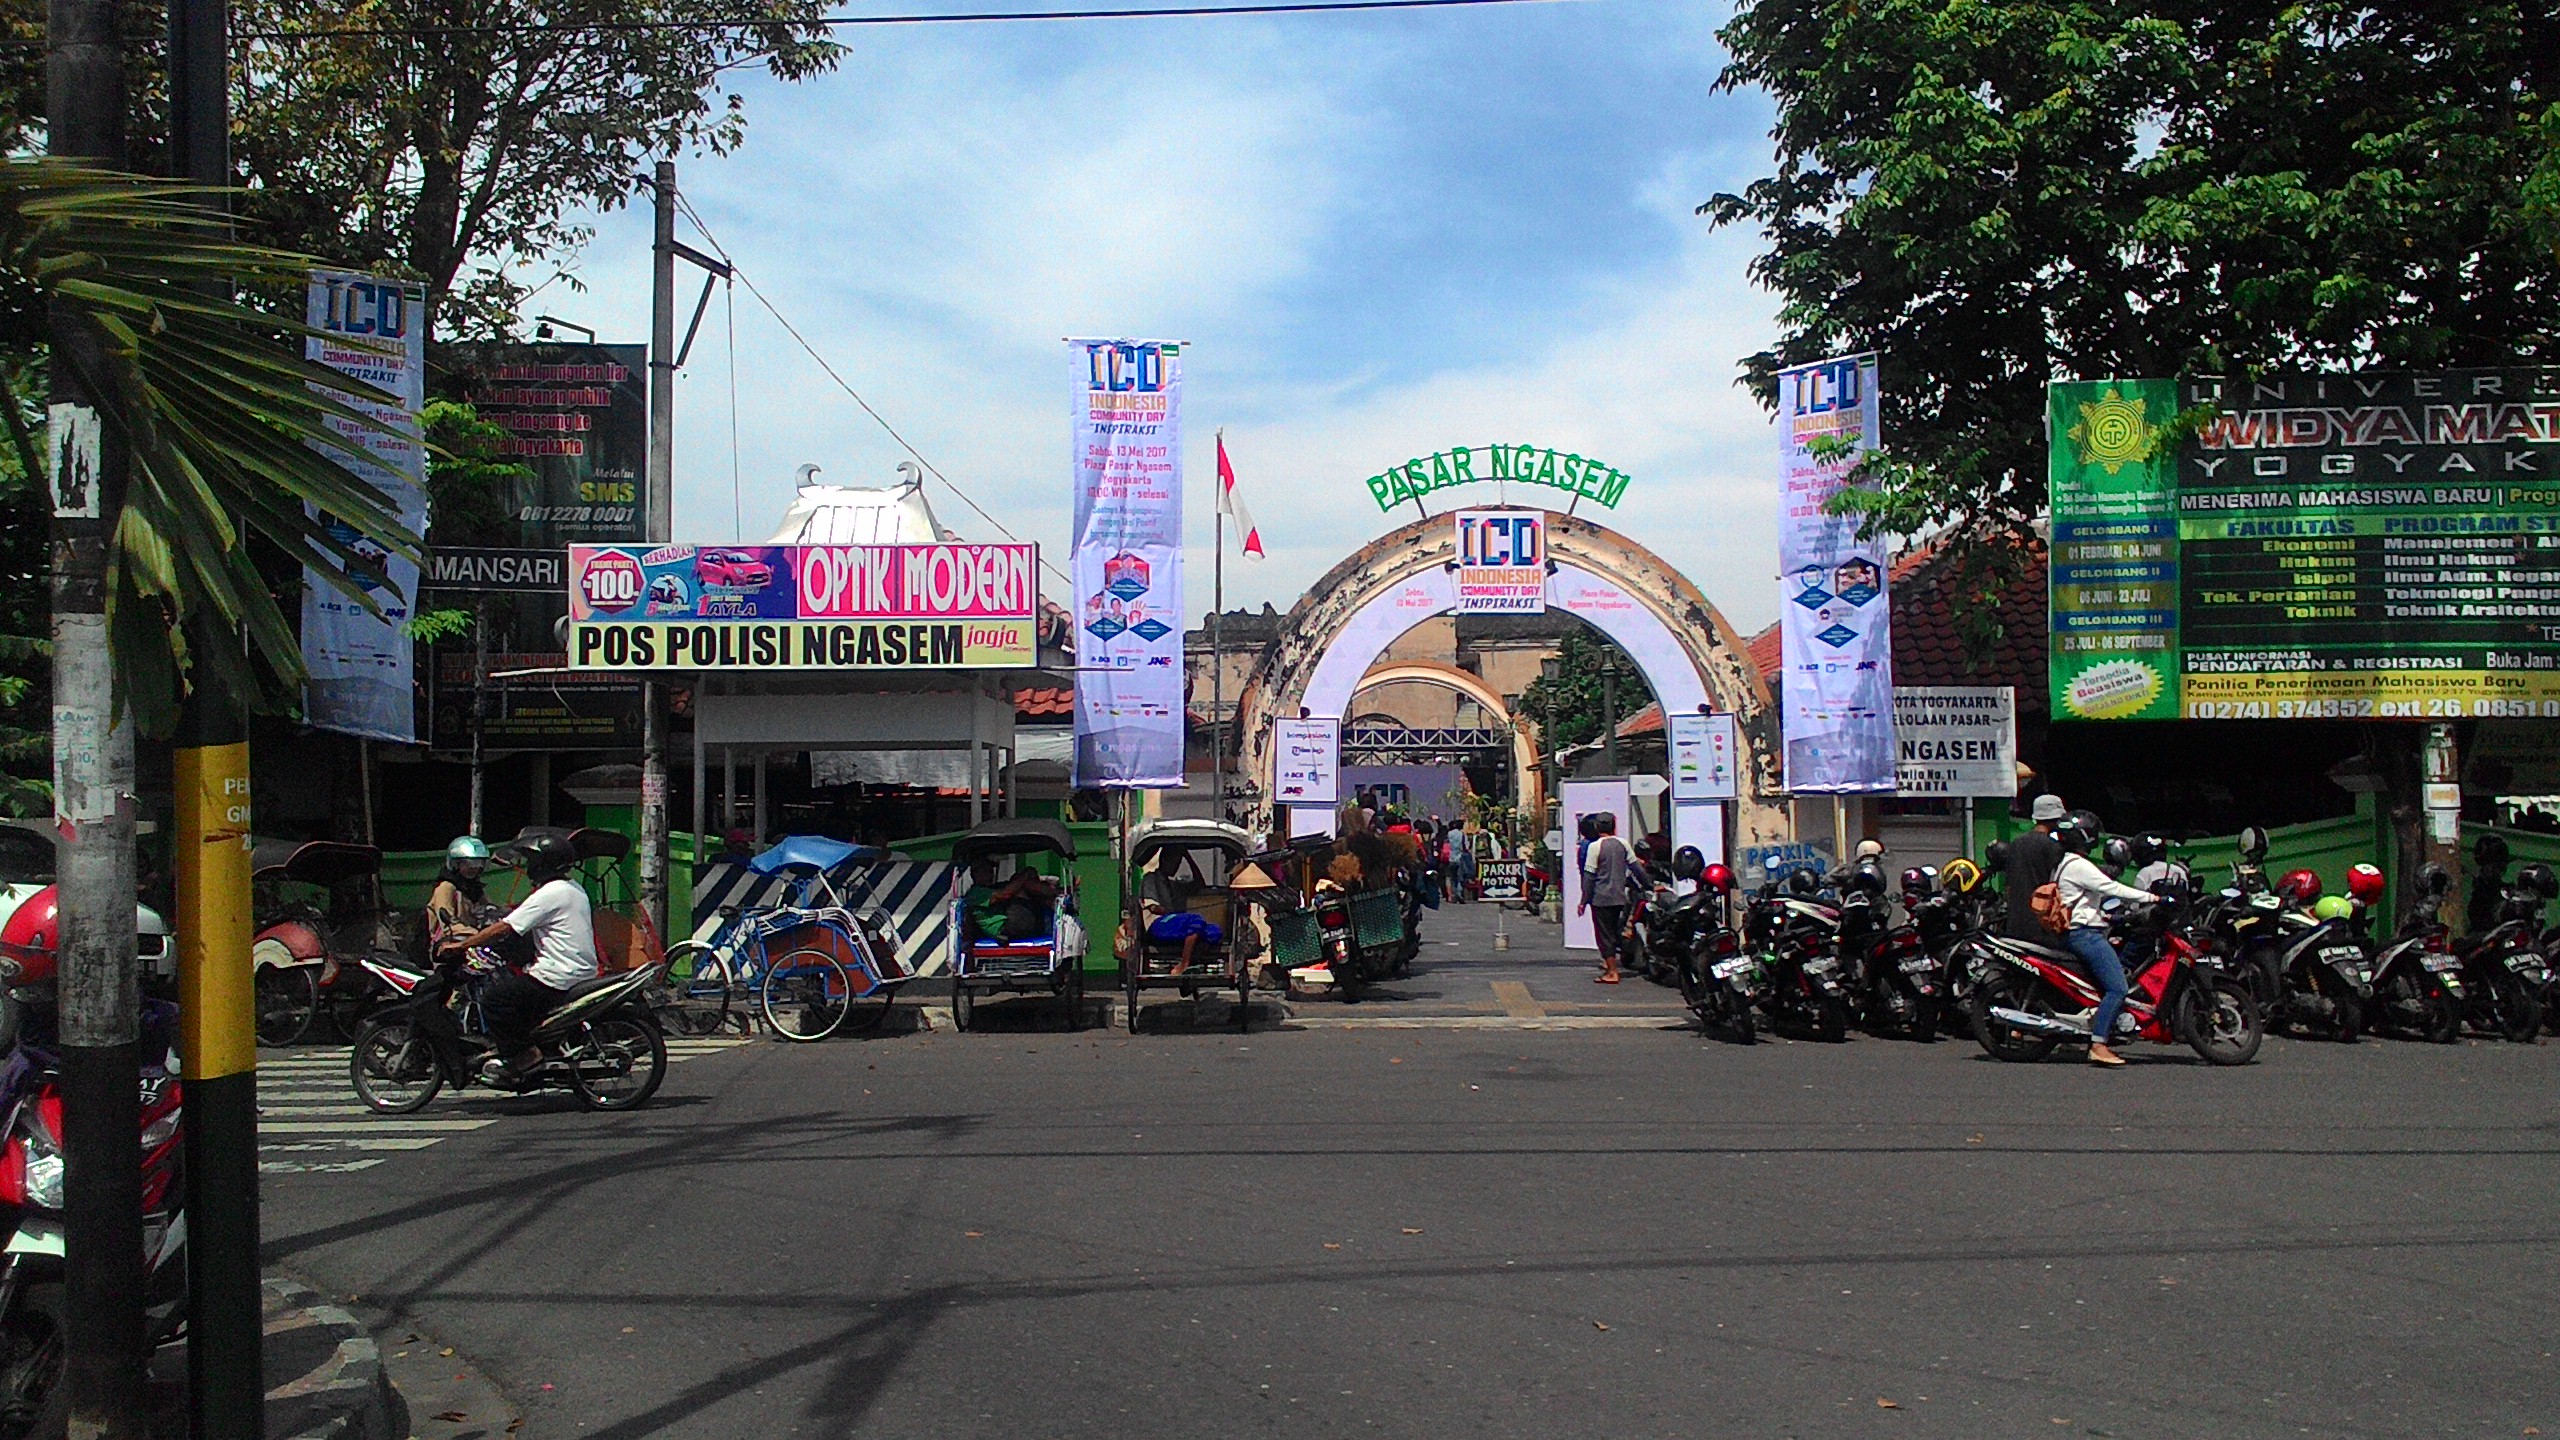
{"x":93,"y":801}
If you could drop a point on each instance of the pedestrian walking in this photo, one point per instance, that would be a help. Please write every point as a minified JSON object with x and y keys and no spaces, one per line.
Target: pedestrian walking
{"x":1604,"y":894}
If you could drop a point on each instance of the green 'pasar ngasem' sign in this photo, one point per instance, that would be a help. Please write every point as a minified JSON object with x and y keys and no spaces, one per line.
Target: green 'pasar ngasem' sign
{"x":1527,"y":464}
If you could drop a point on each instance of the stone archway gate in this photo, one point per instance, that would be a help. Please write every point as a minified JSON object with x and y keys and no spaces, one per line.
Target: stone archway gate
{"x":1688,"y":653}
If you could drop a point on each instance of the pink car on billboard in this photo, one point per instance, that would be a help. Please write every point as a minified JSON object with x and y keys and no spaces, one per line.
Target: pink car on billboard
{"x":731,"y":570}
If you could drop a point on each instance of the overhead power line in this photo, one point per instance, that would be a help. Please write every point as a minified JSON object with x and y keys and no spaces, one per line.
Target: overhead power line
{"x":969,"y":17}
{"x":686,"y":205}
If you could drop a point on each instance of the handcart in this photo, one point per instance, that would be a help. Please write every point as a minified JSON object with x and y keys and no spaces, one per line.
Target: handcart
{"x":1323,"y":937}
{"x":1021,"y":958}
{"x":1183,"y":914}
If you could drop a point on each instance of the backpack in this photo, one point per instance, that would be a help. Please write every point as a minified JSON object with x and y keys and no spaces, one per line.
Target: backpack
{"x":2045,"y":903}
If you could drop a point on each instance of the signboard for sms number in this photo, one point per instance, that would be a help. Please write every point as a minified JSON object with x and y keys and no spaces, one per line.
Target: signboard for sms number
{"x":1502,"y":562}
{"x":1308,"y":768}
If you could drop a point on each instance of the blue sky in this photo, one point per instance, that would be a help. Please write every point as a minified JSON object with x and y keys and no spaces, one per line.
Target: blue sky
{"x":1382,"y":235}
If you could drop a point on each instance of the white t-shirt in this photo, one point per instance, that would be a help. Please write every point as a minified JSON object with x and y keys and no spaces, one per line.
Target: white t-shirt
{"x":562,"y":925}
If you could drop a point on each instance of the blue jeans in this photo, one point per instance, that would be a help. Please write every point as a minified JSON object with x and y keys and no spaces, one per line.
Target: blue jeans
{"x":2090,"y":944}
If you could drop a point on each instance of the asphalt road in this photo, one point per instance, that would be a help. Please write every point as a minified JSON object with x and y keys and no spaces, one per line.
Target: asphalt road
{"x":1479,"y":1231}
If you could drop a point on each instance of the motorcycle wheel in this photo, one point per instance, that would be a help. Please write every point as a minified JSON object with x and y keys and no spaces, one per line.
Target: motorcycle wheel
{"x":288,"y":999}
{"x":2008,"y":990}
{"x":1924,"y":1021}
{"x":634,"y":1054}
{"x":1746,"y":1030}
{"x":2444,"y":1016}
{"x":33,"y":1399}
{"x":2517,"y":1011}
{"x":394,"y":1070}
{"x":2350,"y":1021}
{"x":1693,"y":992}
{"x":2221,"y":1022}
{"x":1830,"y":1019}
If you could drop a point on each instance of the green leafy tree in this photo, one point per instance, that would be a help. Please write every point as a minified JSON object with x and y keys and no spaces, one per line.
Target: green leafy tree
{"x":457,"y":142}
{"x":1578,"y":695}
{"x":1994,"y":193}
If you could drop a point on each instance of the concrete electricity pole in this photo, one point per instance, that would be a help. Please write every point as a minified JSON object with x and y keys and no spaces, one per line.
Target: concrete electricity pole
{"x":662,"y":450}
{"x":99,"y":997}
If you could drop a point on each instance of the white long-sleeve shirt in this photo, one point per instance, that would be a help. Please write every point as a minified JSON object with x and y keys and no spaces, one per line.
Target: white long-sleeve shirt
{"x":2086,"y":889}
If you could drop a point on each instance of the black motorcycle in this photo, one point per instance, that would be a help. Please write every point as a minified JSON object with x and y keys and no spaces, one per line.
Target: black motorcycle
{"x":2328,"y":976}
{"x":2503,"y":968}
{"x":1719,"y":981}
{"x":1893,"y":968}
{"x":602,"y":1043}
{"x":1795,"y":939}
{"x":2417,"y":981}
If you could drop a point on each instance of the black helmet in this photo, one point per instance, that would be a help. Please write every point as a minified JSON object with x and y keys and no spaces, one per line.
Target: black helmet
{"x":546,"y":857}
{"x":2537,"y":877}
{"x":2489,"y":851}
{"x":1919,"y":882}
{"x":1803,"y":883}
{"x":2075,"y":834}
{"x":1688,"y":863}
{"x":1997,"y":857}
{"x":2434,"y":879}
{"x":2119,"y":852}
{"x":2150,"y":846}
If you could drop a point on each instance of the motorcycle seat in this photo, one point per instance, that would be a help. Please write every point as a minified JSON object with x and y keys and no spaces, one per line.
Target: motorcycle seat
{"x":2054,"y":953}
{"x":585,"y":988}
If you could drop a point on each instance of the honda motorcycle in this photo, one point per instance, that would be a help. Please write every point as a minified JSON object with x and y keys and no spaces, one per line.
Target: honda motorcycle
{"x":2328,"y":971}
{"x":602,"y":1043}
{"x":2033,"y":998}
{"x":1896,"y":971}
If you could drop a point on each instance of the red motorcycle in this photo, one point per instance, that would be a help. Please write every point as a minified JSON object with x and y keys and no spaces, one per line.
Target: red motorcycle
{"x":2031,"y":998}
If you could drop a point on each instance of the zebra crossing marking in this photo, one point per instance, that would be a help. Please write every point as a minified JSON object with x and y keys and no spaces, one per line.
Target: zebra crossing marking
{"x":309,"y":1097}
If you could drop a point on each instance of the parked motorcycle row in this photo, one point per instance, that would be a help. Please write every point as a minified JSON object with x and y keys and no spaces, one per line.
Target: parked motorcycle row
{"x":2211,"y":970}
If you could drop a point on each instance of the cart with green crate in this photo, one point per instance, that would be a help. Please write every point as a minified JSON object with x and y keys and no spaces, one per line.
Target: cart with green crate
{"x":1184,"y":914}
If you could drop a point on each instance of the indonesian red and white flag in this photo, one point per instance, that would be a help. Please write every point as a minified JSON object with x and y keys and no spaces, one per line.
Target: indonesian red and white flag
{"x":1232,"y":504}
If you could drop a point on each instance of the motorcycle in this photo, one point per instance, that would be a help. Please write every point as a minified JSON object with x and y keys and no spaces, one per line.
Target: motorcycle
{"x":1719,"y":982}
{"x":1795,"y":940}
{"x":2327,"y":966}
{"x":1897,"y":975}
{"x":602,"y":1043}
{"x":2417,"y":981}
{"x":32,"y":1399}
{"x":2034,"y":997}
{"x":2502,"y":968}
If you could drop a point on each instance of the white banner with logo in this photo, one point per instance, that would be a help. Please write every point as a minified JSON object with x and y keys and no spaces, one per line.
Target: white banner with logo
{"x":1837,"y":710}
{"x":1955,"y":740}
{"x":1307,"y":768}
{"x":359,"y":662}
{"x":1502,"y":562}
{"x":1128,"y":564}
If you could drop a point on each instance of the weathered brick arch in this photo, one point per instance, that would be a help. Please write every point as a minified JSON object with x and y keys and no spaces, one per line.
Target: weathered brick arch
{"x":1687,"y":651}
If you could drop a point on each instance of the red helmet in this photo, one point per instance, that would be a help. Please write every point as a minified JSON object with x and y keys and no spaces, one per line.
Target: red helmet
{"x":1719,"y":876}
{"x":2364,"y":884}
{"x":2299,"y":887}
{"x":28,"y":941}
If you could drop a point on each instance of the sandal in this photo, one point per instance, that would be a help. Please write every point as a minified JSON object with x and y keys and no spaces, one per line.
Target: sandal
{"x":1604,"y":979}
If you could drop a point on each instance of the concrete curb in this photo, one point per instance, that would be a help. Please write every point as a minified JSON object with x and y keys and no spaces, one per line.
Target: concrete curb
{"x":324,"y":1372}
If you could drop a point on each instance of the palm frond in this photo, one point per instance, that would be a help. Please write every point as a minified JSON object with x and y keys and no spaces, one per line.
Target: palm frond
{"x":233,"y":433}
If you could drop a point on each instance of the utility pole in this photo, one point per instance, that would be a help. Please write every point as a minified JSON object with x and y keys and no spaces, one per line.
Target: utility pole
{"x":662,"y":452}
{"x":99,"y":995}
{"x":217,"y":1009}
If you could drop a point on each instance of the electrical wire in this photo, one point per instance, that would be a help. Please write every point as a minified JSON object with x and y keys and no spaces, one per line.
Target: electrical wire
{"x":685,"y":205}
{"x":970,"y":17}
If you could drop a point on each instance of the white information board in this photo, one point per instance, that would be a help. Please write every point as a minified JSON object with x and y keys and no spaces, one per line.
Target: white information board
{"x":1703,"y":757}
{"x":1955,"y":740}
{"x":1307,"y":762}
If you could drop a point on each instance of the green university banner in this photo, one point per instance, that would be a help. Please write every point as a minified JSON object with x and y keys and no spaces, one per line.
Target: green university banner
{"x":2114,"y":589}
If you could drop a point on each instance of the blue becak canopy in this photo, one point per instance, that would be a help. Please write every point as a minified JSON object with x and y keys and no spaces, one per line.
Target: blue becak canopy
{"x":815,"y":852}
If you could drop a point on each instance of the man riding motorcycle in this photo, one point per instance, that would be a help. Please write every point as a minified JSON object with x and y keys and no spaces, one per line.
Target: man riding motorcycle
{"x":558,"y":921}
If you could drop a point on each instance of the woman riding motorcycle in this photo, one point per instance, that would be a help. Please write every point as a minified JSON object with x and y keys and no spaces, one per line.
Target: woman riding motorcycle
{"x":458,"y":894}
{"x":2085,"y":889}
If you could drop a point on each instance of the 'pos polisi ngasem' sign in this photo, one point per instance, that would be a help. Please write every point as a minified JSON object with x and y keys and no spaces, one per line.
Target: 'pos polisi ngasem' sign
{"x":1502,"y":562}
{"x":803,"y":607}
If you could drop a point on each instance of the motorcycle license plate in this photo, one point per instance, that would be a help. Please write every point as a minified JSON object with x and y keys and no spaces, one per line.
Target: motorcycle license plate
{"x":2530,"y":967}
{"x":2442,"y":964}
{"x":1921,"y":966}
{"x":2343,"y":955}
{"x":1728,"y":969}
{"x":1820,"y":967}
{"x":37,"y":1237}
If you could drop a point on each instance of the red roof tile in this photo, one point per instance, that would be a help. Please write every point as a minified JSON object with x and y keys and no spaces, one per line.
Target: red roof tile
{"x":1930,"y":647}
{"x":1768,"y":654}
{"x":1647,"y":721}
{"x":1043,"y":703}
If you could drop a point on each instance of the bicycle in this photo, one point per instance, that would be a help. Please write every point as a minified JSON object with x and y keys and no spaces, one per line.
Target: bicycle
{"x":806,"y":993}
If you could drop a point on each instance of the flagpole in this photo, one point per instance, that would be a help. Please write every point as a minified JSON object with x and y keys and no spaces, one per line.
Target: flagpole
{"x":1217,"y":655}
